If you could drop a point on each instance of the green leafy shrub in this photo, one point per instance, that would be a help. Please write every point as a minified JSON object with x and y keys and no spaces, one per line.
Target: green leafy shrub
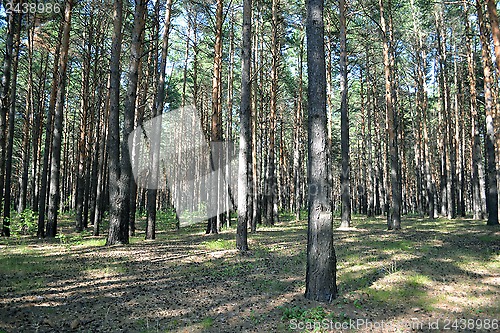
{"x":25,"y":222}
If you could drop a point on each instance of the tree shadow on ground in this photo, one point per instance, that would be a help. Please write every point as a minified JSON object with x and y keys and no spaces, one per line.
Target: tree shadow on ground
{"x":198,"y":283}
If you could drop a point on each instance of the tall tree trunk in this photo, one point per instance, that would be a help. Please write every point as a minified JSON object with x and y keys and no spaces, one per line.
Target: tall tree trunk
{"x":271,"y":186}
{"x":394,"y":213}
{"x":229,"y":121}
{"x":5,"y":96}
{"x":44,"y":177}
{"x":255,"y":181}
{"x":82,"y":143}
{"x":118,"y":229}
{"x":127,"y":183}
{"x":213,"y":223}
{"x":495,"y":29}
{"x":36,"y":136}
{"x":297,"y":165}
{"x":491,"y":170}
{"x":344,"y":122}
{"x":25,"y":157}
{"x":321,"y":261}
{"x":369,"y":116}
{"x":477,"y":174}
{"x":16,"y":26}
{"x":156,"y":112}
{"x":55,"y":158}
{"x":245,"y":155}
{"x":5,"y":99}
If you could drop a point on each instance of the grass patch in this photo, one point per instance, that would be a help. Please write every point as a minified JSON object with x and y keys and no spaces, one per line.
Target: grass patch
{"x":23,"y":264}
{"x":219,"y":244}
{"x":207,"y":322}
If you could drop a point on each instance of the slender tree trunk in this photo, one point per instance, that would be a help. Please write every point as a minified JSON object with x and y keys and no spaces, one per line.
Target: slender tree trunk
{"x":491,"y":171}
{"x":82,"y":143}
{"x":229,"y":129}
{"x":495,"y":29}
{"x":127,"y":183}
{"x":156,"y":112}
{"x":5,"y":96}
{"x":394,"y":213}
{"x":25,"y":157}
{"x":118,"y":230}
{"x":245,"y":154}
{"x":36,"y":137}
{"x":478,"y":205}
{"x":297,"y":165}
{"x":44,"y":181}
{"x":213,"y":223}
{"x":321,"y":261}
{"x":271,"y":190}
{"x":344,"y":122}
{"x":369,"y":116}
{"x":10,"y":134}
{"x":55,"y":158}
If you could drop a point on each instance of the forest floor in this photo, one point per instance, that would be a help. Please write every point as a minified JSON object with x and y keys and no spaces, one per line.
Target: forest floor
{"x":430,"y":275}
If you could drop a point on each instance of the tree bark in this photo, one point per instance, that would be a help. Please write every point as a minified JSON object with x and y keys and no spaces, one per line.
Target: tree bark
{"x":394,"y":213}
{"x":478,"y":192}
{"x":491,"y":170}
{"x":297,"y":165}
{"x":44,"y":180}
{"x":321,"y":261}
{"x":126,"y":177}
{"x":118,"y":229}
{"x":157,"y":111}
{"x":344,"y":122}
{"x":213,"y":223}
{"x":55,"y":158}
{"x":245,"y":154}
{"x":16,"y":26}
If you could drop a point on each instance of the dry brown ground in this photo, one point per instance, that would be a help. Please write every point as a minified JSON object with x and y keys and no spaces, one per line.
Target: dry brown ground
{"x":431,"y":272}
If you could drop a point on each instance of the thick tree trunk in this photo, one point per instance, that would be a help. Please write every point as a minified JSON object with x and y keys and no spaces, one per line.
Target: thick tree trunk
{"x":321,"y":261}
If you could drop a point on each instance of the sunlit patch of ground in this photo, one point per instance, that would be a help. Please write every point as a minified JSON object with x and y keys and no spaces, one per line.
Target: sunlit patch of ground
{"x":186,"y":281}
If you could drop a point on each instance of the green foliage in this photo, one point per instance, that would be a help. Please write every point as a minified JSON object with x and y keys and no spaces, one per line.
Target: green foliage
{"x":70,"y":240}
{"x":24,"y":223}
{"x":165,"y":220}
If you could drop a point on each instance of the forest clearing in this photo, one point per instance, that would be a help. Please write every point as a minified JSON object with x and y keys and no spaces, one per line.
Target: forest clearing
{"x":186,"y":281}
